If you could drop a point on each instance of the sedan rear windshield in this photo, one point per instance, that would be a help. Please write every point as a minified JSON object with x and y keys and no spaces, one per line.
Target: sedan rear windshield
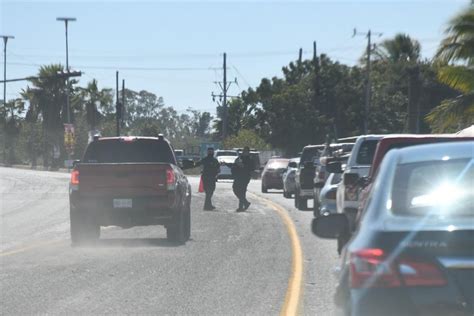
{"x":119,"y":151}
{"x":439,"y":188}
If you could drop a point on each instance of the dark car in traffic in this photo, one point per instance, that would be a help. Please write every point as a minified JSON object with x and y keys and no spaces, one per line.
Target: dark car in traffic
{"x":413,"y":250}
{"x":272,"y":174}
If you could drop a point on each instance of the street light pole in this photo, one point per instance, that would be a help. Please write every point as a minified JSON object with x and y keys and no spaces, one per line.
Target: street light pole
{"x":5,"y":41}
{"x":66,"y":22}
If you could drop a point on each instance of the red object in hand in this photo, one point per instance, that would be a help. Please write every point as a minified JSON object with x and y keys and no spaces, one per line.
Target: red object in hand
{"x":201,"y":186}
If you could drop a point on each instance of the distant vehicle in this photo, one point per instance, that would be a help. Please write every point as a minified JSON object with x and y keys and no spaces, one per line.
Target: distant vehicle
{"x":129,"y":181}
{"x":412,"y":253}
{"x":179,"y":154}
{"x":305,"y":174}
{"x":227,"y":153}
{"x":331,"y":153}
{"x":272,"y":174}
{"x":358,"y":165}
{"x":327,"y":196}
{"x":288,"y":177}
{"x":325,"y":190}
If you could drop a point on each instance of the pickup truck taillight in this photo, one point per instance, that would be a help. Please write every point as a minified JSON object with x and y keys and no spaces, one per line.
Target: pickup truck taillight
{"x":372,"y":268}
{"x":170,"y":179}
{"x":75,"y":177}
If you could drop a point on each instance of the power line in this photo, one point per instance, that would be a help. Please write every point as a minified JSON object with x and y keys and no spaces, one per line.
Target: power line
{"x":127,"y":67}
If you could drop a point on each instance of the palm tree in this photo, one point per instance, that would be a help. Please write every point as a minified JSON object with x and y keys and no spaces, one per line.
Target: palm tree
{"x":47,"y":101}
{"x":403,"y":51}
{"x":456,"y":59}
{"x":93,"y":99}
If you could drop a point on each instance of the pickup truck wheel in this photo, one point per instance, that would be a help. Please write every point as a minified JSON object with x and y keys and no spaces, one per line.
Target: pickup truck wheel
{"x":302,"y":203}
{"x":187,"y":216}
{"x":176,"y":231}
{"x":83,"y":228}
{"x":264,"y":188}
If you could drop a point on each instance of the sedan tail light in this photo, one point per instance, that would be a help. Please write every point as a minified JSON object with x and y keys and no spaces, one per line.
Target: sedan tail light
{"x":371,"y":268}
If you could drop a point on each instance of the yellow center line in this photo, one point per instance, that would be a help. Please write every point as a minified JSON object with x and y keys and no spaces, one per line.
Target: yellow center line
{"x":26,"y":248}
{"x":294,"y":291}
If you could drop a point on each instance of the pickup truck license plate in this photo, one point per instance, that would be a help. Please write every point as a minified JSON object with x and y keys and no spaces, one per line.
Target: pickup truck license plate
{"x":122,"y":203}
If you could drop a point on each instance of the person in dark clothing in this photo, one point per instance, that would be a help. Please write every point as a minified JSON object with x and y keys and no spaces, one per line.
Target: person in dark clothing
{"x":210,"y":170}
{"x":242,"y":171}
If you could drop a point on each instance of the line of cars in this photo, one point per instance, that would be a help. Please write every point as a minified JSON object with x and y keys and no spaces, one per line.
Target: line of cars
{"x":404,"y":223}
{"x":401,"y":208}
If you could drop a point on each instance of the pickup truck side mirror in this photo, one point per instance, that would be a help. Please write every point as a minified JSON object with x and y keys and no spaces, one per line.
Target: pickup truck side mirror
{"x":351,"y":178}
{"x":187,"y":164}
{"x":330,"y":226}
{"x":334,"y":167}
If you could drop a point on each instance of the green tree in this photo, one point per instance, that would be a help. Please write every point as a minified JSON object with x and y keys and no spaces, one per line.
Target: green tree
{"x":456,"y":59}
{"x":95,"y":102}
{"x":244,"y":138}
{"x":47,"y":101}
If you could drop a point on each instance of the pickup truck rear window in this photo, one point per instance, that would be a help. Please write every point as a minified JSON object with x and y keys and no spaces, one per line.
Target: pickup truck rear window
{"x":366,"y":152}
{"x":118,"y":151}
{"x":310,"y":154}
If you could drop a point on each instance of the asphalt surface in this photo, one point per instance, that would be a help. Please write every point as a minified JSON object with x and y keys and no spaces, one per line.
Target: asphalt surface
{"x":234,"y":264}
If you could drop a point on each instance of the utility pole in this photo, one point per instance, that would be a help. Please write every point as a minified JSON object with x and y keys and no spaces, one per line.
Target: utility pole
{"x":222,"y":97}
{"x":122,"y":112}
{"x":224,"y":102}
{"x":315,"y":52}
{"x":368,"y":88}
{"x":300,"y":56}
{"x":66,"y":22}
{"x":5,"y":40}
{"x":117,"y":104}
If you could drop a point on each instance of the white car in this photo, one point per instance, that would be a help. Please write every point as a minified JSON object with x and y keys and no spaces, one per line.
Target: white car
{"x":360,"y":160}
{"x":228,"y":157}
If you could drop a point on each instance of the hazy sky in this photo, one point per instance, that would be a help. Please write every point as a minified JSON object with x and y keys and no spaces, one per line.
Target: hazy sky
{"x":173,"y":48}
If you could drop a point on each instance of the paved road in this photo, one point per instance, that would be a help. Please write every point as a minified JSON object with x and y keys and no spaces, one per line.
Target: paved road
{"x":235,"y":263}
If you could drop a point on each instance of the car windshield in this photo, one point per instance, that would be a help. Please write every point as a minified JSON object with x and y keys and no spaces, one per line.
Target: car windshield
{"x":443,"y":188}
{"x":366,"y":152}
{"x":118,"y":151}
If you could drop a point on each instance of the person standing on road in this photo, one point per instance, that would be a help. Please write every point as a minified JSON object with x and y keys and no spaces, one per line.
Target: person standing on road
{"x":242,"y":172}
{"x":210,"y":170}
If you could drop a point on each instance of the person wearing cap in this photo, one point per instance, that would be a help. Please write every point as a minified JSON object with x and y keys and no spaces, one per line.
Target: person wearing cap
{"x":210,"y":170}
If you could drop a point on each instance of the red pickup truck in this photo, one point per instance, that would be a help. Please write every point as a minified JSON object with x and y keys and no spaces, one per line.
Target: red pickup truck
{"x":126,"y":182}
